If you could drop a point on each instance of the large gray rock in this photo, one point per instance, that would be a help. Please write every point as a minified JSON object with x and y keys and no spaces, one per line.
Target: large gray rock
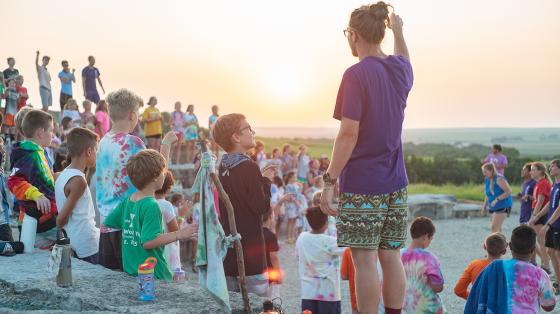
{"x":434,"y":206}
{"x":25,"y":286}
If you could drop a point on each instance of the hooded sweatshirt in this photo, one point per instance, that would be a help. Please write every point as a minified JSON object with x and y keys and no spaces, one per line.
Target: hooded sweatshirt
{"x":249,"y":193}
{"x":31,"y":178}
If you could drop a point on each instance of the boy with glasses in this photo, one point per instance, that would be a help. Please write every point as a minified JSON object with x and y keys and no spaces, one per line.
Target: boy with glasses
{"x":249,"y":192}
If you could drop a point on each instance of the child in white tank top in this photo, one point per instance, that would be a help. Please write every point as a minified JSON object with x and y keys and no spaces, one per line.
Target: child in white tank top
{"x":76,"y":213}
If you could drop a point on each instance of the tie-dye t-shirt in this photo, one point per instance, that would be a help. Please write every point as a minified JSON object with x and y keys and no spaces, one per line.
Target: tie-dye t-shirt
{"x":319,"y":266}
{"x":529,"y":287}
{"x":112,"y":183}
{"x":421,"y":266}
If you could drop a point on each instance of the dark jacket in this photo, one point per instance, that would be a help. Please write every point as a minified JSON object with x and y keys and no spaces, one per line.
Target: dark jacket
{"x":249,"y":193}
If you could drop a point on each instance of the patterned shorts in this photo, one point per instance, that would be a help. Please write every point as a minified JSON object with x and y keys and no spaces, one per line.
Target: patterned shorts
{"x":372,"y":221}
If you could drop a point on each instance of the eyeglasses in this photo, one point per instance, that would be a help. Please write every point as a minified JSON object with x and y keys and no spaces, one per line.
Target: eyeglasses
{"x":245,"y":128}
{"x":347,"y":31}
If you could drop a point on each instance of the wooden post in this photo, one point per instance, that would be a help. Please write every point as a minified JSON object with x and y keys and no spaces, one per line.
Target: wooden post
{"x":233,"y":229}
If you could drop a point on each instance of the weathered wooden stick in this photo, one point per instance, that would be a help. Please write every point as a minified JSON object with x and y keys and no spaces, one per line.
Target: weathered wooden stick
{"x":233,"y":229}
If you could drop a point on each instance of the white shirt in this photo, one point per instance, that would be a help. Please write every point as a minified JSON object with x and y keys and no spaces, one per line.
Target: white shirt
{"x":319,"y":266}
{"x":172,"y":251}
{"x":44,"y":77}
{"x":81,"y":229}
{"x":303,"y":167}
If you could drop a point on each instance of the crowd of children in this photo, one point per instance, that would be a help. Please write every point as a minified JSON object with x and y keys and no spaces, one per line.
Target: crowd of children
{"x":138,"y":221}
{"x":61,"y":174}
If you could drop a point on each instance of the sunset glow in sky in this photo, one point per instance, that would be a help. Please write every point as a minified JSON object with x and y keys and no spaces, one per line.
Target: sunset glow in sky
{"x":477,"y":63}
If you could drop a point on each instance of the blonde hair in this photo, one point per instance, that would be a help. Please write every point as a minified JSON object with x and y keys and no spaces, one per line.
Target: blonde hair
{"x":121,"y":103}
{"x":318,"y":181}
{"x":540,"y":167}
{"x":370,"y":21}
{"x":20,"y":115}
{"x":316,"y":199}
{"x":490,"y":167}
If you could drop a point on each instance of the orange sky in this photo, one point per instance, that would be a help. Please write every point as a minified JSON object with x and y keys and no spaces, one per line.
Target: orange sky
{"x":477,"y":63}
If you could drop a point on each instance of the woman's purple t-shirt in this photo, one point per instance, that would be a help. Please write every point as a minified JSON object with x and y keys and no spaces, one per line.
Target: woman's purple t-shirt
{"x":374,"y":92}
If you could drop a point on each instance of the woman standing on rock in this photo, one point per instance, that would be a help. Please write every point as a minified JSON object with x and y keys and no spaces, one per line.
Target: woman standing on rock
{"x":367,"y":158}
{"x":498,"y":199}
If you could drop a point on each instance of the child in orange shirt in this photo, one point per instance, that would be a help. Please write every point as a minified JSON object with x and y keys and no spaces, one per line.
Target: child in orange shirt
{"x":495,"y":245}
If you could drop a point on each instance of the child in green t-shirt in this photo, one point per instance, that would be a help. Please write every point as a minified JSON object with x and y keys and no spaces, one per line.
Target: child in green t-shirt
{"x":140,"y":218}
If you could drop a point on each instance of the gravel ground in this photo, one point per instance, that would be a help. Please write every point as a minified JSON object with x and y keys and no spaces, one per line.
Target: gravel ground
{"x":456,"y":243}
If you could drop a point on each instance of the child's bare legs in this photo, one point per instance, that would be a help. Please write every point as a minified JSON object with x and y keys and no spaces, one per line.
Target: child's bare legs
{"x":498,"y":221}
{"x":194,"y":244}
{"x":154,"y":143}
{"x":540,"y":249}
{"x":174,"y":153}
{"x":393,"y":270}
{"x":291,"y":223}
{"x":157,"y":143}
{"x":367,"y":282}
{"x":189,"y":152}
{"x":279,"y":221}
{"x":555,"y":259}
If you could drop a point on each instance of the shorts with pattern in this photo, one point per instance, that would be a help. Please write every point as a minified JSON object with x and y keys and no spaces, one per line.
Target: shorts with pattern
{"x":372,"y":221}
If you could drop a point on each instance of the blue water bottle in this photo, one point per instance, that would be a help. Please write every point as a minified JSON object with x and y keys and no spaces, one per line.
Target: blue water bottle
{"x":146,"y":281}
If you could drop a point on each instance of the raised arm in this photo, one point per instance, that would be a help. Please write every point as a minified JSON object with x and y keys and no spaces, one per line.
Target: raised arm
{"x":396,"y":24}
{"x":37,"y":62}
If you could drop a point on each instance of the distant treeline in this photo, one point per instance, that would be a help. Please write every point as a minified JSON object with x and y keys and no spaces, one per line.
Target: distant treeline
{"x":443,"y":163}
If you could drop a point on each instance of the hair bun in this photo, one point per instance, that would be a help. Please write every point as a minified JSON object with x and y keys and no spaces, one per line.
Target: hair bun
{"x":379,"y":11}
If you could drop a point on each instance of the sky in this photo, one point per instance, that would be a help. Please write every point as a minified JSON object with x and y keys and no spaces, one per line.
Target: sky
{"x":476,"y":63}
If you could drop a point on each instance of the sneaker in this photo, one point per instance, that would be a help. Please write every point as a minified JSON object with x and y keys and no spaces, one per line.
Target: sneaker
{"x":8,"y":250}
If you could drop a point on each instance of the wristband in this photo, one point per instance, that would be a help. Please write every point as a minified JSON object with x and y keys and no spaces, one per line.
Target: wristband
{"x":328,"y":179}
{"x":165,"y":143}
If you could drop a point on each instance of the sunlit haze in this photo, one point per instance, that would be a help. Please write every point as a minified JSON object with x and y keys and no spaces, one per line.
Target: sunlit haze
{"x":476,"y":63}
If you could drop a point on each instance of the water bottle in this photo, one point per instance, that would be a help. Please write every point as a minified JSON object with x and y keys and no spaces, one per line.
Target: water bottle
{"x":64,"y":277}
{"x":146,"y":282}
{"x":28,"y":233}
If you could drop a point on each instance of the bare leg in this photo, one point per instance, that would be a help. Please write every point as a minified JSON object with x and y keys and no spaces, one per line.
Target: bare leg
{"x":157,"y":143}
{"x":178,"y":151}
{"x":194,"y":244}
{"x":555,"y":259}
{"x":393,"y":270}
{"x":367,"y":282}
{"x":541,"y":247}
{"x":291,"y":223}
{"x":189,"y":153}
{"x":151,"y":143}
{"x":498,"y":221}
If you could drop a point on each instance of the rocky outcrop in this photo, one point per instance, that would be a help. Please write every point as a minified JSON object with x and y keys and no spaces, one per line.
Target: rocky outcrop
{"x":26,"y":286}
